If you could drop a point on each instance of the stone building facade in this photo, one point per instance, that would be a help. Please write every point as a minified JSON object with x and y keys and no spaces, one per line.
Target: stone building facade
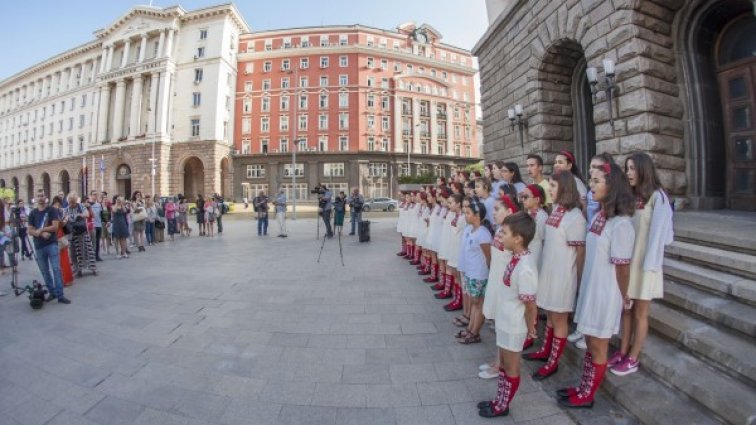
{"x":685,"y":85}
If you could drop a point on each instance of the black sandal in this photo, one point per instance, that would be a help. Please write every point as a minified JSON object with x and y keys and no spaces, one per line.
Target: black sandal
{"x":461,"y":321}
{"x":470,"y":339}
{"x":461,"y":334}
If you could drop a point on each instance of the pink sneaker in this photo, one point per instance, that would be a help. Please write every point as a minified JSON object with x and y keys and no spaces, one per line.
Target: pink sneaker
{"x":616,"y":359}
{"x":628,"y":366}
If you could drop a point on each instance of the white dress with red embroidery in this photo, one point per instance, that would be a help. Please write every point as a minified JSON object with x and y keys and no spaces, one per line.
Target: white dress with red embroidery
{"x":422,"y":228}
{"x":402,"y":216}
{"x":455,"y":243}
{"x":446,"y":236}
{"x":536,"y":245}
{"x":557,"y":277}
{"x":518,"y":285}
{"x":413,"y":220}
{"x":434,"y":219}
{"x":499,"y":259}
{"x":599,"y":307}
{"x":644,"y":284}
{"x":438,"y":230}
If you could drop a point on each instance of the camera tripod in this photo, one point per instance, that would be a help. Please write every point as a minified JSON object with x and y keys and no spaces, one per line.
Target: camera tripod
{"x":341,"y":250}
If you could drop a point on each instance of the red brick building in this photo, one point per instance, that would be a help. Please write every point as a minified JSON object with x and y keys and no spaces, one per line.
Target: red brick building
{"x":353,"y":101}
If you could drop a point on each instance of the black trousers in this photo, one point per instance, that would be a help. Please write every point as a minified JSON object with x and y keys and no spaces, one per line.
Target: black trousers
{"x":23,"y":235}
{"x":96,"y":241}
{"x":327,"y":221}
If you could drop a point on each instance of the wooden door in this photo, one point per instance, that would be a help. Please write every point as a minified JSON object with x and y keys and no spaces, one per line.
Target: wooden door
{"x":738,"y":90}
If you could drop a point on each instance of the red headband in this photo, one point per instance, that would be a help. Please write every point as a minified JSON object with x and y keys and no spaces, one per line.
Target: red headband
{"x":569,"y":155}
{"x":444,"y":194}
{"x":506,"y":200}
{"x":606,"y":168}
{"x":533,"y":188}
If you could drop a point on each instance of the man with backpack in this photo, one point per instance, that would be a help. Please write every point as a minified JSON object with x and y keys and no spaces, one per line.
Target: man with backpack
{"x":356,"y":201}
{"x":222,"y":210}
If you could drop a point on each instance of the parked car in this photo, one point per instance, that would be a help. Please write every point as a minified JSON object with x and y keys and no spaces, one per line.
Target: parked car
{"x":191,"y":207}
{"x":383,"y":204}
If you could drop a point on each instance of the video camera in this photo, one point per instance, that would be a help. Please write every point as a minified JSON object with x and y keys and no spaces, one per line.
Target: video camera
{"x":37,"y":293}
{"x":318,"y":190}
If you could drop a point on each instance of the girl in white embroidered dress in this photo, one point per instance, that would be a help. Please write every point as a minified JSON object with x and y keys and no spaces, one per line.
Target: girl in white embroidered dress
{"x":532,"y":199}
{"x":458,"y":224}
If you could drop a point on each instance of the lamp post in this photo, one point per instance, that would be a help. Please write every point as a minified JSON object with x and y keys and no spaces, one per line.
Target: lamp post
{"x":607,"y":86}
{"x":294,"y":123}
{"x":152,"y":158}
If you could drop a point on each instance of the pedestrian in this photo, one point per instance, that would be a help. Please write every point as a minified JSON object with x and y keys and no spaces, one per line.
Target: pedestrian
{"x":170,"y":216}
{"x":516,"y":311}
{"x":95,"y":207}
{"x":222,"y":210}
{"x":120,"y":227}
{"x":152,"y":217}
{"x":64,"y":252}
{"x":260,"y":204}
{"x":280,"y":204}
{"x":200,"y":206}
{"x":534,"y":164}
{"x":604,"y":284}
{"x":356,"y":202}
{"x":106,"y":239}
{"x":211,"y":213}
{"x":652,"y":223}
{"x":562,"y":266}
{"x":475,"y":259}
{"x":43,"y":225}
{"x":181,"y":217}
{"x":81,"y":244}
{"x":325,"y":205}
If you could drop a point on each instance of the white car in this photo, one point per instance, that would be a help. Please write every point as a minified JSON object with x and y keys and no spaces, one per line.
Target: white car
{"x":383,"y":204}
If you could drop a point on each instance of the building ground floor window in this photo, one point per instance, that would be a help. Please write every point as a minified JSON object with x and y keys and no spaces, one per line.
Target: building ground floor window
{"x":378,"y":190}
{"x":300,"y":190}
{"x":249,"y":190}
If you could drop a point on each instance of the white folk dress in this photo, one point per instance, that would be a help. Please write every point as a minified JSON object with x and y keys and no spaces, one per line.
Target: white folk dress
{"x":455,"y":243}
{"x":400,"y":221}
{"x":413,"y":220}
{"x":446,"y":236}
{"x":422,"y":230}
{"x":599,"y":308}
{"x":557,"y":280}
{"x":536,"y":245}
{"x":438,"y":231}
{"x":433,"y":222}
{"x":644,"y":284}
{"x":499,"y":259}
{"x":518,"y":286}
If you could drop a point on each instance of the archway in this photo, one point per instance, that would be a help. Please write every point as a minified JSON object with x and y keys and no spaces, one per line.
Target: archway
{"x":2,"y":183}
{"x":29,"y":189}
{"x":65,"y":182}
{"x":15,"y":186}
{"x":194,"y":177}
{"x":123,"y":180}
{"x":83,"y":182}
{"x":46,"y":184}
{"x":566,"y":96}
{"x":225,"y":178}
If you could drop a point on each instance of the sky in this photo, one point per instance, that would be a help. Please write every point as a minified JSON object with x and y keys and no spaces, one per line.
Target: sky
{"x":35,"y":30}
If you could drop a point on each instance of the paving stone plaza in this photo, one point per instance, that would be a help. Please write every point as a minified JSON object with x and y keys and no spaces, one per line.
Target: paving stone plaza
{"x":245,"y":330}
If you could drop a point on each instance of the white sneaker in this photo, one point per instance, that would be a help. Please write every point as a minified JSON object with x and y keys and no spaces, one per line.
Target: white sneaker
{"x":573,"y":337}
{"x":488,"y":374}
{"x":484,"y":366}
{"x":581,"y":344}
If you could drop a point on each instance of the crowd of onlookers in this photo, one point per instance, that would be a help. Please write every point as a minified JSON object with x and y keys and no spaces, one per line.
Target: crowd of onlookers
{"x":69,"y":234}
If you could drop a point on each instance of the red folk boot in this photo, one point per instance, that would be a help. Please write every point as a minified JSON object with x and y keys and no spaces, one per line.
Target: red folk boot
{"x":427,"y":269}
{"x":543,"y":353}
{"x":552,"y":364}
{"x":506,"y":391}
{"x":447,"y":292}
{"x":410,"y":251}
{"x":416,"y":257}
{"x":442,"y":282}
{"x":434,"y":274}
{"x":584,"y":399}
{"x":403,"y":252}
{"x":456,"y":304}
{"x":571,"y":391}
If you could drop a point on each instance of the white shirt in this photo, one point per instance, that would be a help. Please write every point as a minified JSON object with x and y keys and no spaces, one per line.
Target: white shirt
{"x":472,"y":261}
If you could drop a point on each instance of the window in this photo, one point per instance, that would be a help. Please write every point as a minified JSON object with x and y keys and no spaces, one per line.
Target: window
{"x":323,"y":41}
{"x":371,"y":122}
{"x":70,"y":124}
{"x":200,"y":52}
{"x":297,"y":191}
{"x":323,"y":100}
{"x":384,"y":64}
{"x":195,"y":125}
{"x":285,"y":102}
{"x":73,"y":103}
{"x":196,"y":98}
{"x":370,"y":62}
{"x":283,"y":145}
{"x":83,"y":104}
{"x":343,"y":100}
{"x":283,"y":123}
{"x":198,"y":75}
{"x":384,"y":144}
{"x":343,"y":120}
{"x":303,"y":82}
{"x":343,"y":61}
{"x":323,"y":81}
{"x":303,"y":122}
{"x":457,"y":150}
{"x":377,"y":169}
{"x":323,"y":122}
{"x":385,"y":123}
{"x":248,"y":86}
{"x":333,"y":169}
{"x":423,"y":169}
{"x":246,"y":125}
{"x":255,"y":171}
{"x":246,"y":146}
{"x":371,"y":82}
{"x":247,"y":106}
{"x":203,"y":34}
{"x":252,"y":190}
{"x":285,"y":64}
{"x":410,"y":68}
{"x":264,"y":146}
{"x":323,"y":143}
{"x":371,"y":145}
{"x":371,"y":101}
{"x":267,"y":66}
{"x":287,"y":43}
{"x":82,"y":119}
{"x":305,"y":41}
{"x":302,"y":144}
{"x":343,"y":143}
{"x":343,"y":40}
{"x":424,"y":147}
{"x":285,"y":82}
{"x":370,"y":41}
{"x":324,"y":61}
{"x":266,"y":85}
{"x":403,"y":170}
{"x":298,"y":171}
{"x":304,"y":63}
{"x":265,"y":103}
{"x":268,"y":45}
{"x":302,"y":101}
{"x":264,"y":124}
{"x":384,"y":83}
{"x":343,"y":80}
{"x":397,"y":67}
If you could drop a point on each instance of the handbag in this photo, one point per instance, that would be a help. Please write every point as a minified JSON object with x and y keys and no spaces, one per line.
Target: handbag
{"x":139,"y":215}
{"x":159,"y":224}
{"x":76,"y":228}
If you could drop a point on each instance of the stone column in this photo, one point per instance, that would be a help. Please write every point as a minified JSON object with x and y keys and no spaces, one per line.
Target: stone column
{"x":103,"y":58}
{"x":415,"y":127}
{"x":136,"y":107}
{"x":63,"y":86}
{"x":153,"y":105}
{"x":449,"y":130}
{"x":433,"y":132}
{"x":169,"y":44}
{"x":163,"y":100}
{"x":120,"y":99}
{"x":161,"y":43}
{"x":125,"y":56}
{"x":93,"y":70}
{"x":102,"y":118}
{"x":397,"y":133}
{"x":142,"y":48}
{"x":109,"y":62}
{"x":72,"y":77}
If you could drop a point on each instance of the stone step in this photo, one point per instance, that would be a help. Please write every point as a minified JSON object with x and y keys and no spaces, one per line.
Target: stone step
{"x":650,"y":401}
{"x":730,"y":352}
{"x":725,"y":397}
{"x":719,"y":230}
{"x":723,"y":311}
{"x":727,"y":261}
{"x":711,"y":280}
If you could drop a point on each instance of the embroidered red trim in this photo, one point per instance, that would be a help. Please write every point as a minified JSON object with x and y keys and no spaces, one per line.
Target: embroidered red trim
{"x":556,"y":217}
{"x":511,"y":266}
{"x":639,"y":204}
{"x":598,"y":224}
{"x":575,"y":243}
{"x":454,"y":221}
{"x":619,"y":261}
{"x":497,"y":243}
{"x":527,"y":298}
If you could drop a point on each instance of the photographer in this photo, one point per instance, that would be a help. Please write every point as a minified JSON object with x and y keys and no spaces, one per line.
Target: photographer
{"x":222,"y":210}
{"x":260,"y":203}
{"x":325,"y":205}
{"x":280,"y":203}
{"x":20,"y":218}
{"x":339,"y":210}
{"x":43,"y":225}
{"x":356,"y":202}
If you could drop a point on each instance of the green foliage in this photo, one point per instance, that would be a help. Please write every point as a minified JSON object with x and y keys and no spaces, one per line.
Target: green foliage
{"x":7,"y":192}
{"x":427,"y":178}
{"x":475,"y":167}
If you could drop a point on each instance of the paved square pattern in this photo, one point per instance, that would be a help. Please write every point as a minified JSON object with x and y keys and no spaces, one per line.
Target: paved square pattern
{"x":241,"y":329}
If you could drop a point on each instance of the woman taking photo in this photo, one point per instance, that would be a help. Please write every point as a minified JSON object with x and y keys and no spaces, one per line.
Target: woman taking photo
{"x":81,"y":244}
{"x":120,"y":227}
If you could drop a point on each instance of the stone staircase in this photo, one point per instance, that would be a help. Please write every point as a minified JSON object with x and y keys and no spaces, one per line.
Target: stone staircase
{"x":698,"y":365}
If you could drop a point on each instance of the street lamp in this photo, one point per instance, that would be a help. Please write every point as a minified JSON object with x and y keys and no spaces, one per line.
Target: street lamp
{"x":294,"y":123}
{"x":153,"y":159}
{"x":608,"y":85}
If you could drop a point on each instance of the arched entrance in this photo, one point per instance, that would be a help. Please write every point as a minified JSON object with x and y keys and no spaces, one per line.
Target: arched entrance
{"x":736,"y":72}
{"x":194,"y":177}
{"x":65,"y":182}
{"x":29,"y":189}
{"x":83,"y":182}
{"x":563,"y":72}
{"x":2,"y":183}
{"x":225,"y":178}
{"x":123,"y":180}
{"x":46,"y":184}
{"x":15,"y":186}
